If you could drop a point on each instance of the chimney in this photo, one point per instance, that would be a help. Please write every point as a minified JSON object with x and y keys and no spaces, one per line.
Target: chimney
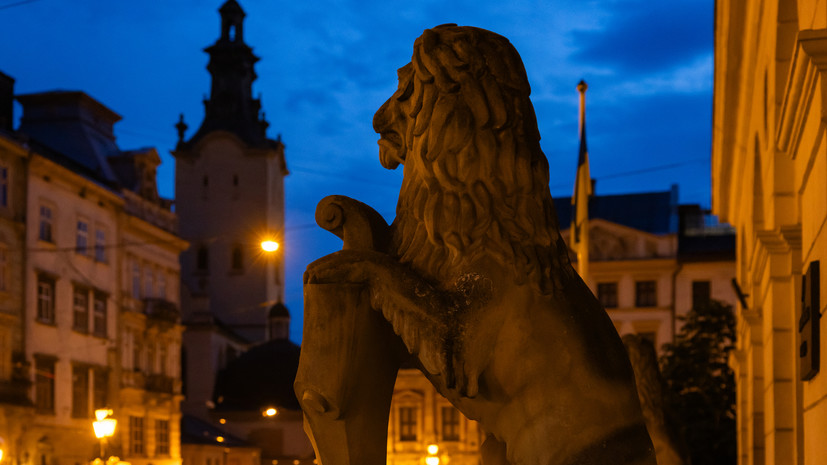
{"x":6,"y":103}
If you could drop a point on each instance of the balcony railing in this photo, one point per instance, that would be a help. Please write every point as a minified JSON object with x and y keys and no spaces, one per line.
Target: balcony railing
{"x":162,"y":309}
{"x":160,"y":383}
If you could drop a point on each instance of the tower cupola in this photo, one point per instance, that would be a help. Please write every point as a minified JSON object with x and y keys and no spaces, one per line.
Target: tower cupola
{"x":231,"y":106}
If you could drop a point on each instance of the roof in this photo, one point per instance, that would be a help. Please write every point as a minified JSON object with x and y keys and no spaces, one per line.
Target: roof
{"x":278,"y":310}
{"x":653,"y":212}
{"x":196,"y":431}
{"x":261,"y":377}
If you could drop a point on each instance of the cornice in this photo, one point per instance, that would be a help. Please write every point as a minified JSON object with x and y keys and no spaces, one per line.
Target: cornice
{"x":808,"y":63}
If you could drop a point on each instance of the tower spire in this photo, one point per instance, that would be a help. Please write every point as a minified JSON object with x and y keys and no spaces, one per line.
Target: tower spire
{"x":231,"y":106}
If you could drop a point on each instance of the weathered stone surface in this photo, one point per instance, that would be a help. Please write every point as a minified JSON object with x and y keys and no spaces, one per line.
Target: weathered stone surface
{"x":472,"y":276}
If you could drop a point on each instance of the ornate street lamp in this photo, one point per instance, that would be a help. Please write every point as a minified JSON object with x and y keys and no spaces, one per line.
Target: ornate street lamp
{"x":104,"y":427}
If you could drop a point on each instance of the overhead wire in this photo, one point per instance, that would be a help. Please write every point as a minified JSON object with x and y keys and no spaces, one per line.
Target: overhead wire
{"x":22,"y":2}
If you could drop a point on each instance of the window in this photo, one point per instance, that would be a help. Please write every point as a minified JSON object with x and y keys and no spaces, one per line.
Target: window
{"x":162,"y":437}
{"x":100,"y":245}
{"x":136,"y":435}
{"x":80,"y":309}
{"x":136,"y":353}
{"x":237,"y":261}
{"x":646,"y":294}
{"x":4,"y":268}
{"x":80,"y":391}
{"x":205,"y":187}
{"x":148,"y":283}
{"x":136,"y":280}
{"x":99,"y":317}
{"x":162,"y":285}
{"x":44,"y":385}
{"x":150,"y":357}
{"x":650,"y":336}
{"x":202,"y":259}
{"x":162,"y":359}
{"x":46,"y":230}
{"x":4,"y":186}
{"x":450,"y":424}
{"x":82,"y":238}
{"x":701,"y":293}
{"x":100,"y":388}
{"x":607,"y":294}
{"x":407,"y":423}
{"x":45,"y":299}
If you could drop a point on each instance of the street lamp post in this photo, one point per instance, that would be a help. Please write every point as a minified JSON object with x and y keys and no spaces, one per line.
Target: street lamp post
{"x":104,"y":427}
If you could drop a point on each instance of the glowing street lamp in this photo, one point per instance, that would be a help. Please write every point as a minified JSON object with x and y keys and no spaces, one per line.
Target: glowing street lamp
{"x":269,"y":246}
{"x":432,"y":458}
{"x":270,"y":412}
{"x":104,"y":427}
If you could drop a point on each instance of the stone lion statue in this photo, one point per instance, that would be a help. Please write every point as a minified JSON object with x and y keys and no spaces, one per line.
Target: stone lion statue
{"x":472,"y":279}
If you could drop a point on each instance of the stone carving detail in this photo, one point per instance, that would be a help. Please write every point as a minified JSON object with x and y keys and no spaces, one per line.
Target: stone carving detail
{"x":472,"y":280}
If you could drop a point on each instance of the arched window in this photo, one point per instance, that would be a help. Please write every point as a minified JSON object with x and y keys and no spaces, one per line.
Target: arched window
{"x":202,"y":259}
{"x":237,"y":258}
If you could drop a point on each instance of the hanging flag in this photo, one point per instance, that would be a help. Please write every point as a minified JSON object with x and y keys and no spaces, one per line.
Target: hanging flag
{"x":582,"y":191}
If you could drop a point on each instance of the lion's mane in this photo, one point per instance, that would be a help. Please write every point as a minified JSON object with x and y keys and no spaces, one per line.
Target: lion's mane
{"x":475,"y":179}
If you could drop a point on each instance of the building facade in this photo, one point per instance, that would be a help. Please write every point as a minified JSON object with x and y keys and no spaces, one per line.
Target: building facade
{"x":229,"y":198}
{"x":89,"y":223}
{"x":651,"y":260}
{"x":769,"y":180}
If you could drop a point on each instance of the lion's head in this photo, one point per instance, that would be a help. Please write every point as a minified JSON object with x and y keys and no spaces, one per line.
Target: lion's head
{"x":475,"y":179}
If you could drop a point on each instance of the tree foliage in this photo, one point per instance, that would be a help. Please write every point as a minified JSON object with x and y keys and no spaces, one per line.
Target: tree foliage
{"x":700,"y":385}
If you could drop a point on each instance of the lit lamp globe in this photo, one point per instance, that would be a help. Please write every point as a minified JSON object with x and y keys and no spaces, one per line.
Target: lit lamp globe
{"x":104,"y":427}
{"x":269,"y":246}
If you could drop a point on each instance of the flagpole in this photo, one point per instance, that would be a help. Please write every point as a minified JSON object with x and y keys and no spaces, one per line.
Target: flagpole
{"x":582,"y":193}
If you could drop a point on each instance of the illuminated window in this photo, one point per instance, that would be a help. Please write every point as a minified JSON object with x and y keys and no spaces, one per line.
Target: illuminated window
{"x":162,"y":436}
{"x":701,"y":293}
{"x":450,"y":424}
{"x":607,"y":294}
{"x":136,"y":436}
{"x":80,"y":391}
{"x":82,"y":238}
{"x":80,"y":309}
{"x":44,"y":385}
{"x":46,"y":232}
{"x":45,"y":299}
{"x":407,"y":423}
{"x":99,"y":317}
{"x":646,"y":294}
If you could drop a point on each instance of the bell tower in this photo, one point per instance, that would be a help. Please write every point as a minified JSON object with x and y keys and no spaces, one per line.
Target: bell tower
{"x":229,"y":198}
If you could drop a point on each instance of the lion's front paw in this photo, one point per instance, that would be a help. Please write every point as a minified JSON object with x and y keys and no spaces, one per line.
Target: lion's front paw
{"x":345,"y":266}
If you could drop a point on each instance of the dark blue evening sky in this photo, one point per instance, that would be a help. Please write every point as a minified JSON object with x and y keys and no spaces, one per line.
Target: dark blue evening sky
{"x":328,"y":65}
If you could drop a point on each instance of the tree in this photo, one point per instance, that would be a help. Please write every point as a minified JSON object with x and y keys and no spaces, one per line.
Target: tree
{"x":700,"y":384}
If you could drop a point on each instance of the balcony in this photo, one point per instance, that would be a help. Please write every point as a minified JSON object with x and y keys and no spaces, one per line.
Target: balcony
{"x":161,"y":383}
{"x":161,"y":310}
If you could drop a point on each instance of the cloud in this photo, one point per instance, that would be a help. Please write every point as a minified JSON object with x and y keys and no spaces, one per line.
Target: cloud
{"x":645,"y":37}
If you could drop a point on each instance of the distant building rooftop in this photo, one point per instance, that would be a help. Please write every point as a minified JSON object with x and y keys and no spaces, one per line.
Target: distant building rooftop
{"x":653,"y":212}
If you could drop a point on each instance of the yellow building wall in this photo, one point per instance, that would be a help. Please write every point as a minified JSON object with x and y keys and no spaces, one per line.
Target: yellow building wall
{"x":769,"y":177}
